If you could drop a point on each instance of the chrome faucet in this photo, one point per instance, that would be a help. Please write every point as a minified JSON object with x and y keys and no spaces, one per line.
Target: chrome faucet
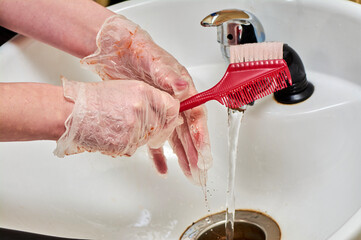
{"x":234,"y":27}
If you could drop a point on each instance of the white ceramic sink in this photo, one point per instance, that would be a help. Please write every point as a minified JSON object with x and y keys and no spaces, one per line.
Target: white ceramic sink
{"x":300,"y":164}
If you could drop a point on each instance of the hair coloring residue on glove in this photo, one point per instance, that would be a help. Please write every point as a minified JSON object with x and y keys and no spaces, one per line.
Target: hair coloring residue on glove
{"x":126,"y":51}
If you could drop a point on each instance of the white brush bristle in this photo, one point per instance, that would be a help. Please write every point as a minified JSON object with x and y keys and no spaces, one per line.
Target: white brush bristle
{"x":256,"y":51}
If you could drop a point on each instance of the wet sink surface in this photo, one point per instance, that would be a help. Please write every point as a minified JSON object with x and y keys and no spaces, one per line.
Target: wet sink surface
{"x":300,"y":164}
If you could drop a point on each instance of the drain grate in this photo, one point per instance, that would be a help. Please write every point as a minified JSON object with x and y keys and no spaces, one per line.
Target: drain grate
{"x":248,"y":225}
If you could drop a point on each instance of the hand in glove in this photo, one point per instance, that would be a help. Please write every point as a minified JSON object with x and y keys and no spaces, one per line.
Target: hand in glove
{"x":116,"y":117}
{"x":127,"y":51}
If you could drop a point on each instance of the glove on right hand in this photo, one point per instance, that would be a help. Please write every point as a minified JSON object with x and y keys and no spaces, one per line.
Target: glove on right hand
{"x":116,"y":117}
{"x":126,"y":51}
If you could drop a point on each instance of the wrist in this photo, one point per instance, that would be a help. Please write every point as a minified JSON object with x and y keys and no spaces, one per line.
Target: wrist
{"x":32,"y":111}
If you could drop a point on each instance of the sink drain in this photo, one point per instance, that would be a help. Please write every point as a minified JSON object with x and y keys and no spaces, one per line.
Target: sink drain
{"x":248,"y":225}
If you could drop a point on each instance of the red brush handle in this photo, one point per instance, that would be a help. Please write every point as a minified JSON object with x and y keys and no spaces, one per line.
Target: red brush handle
{"x":195,"y":100}
{"x":202,"y":97}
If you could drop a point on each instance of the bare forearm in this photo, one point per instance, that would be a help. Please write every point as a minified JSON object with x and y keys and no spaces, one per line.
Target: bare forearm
{"x":32,"y":111}
{"x":70,"y":25}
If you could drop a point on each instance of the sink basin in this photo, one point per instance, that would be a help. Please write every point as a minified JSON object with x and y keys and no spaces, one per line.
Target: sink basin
{"x":299,"y":164}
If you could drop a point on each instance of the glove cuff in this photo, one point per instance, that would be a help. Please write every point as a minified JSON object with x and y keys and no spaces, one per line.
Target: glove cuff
{"x":66,"y":144}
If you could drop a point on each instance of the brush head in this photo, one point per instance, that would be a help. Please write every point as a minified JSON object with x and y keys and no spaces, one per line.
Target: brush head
{"x":246,"y":82}
{"x":256,"y":70}
{"x":251,"y":57}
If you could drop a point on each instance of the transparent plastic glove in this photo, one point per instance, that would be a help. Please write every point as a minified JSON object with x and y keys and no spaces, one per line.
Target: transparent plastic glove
{"x":117,"y":117}
{"x":127,"y":51}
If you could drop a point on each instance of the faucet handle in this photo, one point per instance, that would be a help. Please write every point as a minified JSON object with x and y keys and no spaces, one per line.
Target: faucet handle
{"x":217,"y":18}
{"x":235,"y":27}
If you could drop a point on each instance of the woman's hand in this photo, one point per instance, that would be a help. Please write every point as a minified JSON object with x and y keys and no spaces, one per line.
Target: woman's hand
{"x":117,"y":117}
{"x":125,"y":51}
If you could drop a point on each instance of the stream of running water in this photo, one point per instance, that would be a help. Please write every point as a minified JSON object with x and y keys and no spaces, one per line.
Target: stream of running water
{"x":234,"y":124}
